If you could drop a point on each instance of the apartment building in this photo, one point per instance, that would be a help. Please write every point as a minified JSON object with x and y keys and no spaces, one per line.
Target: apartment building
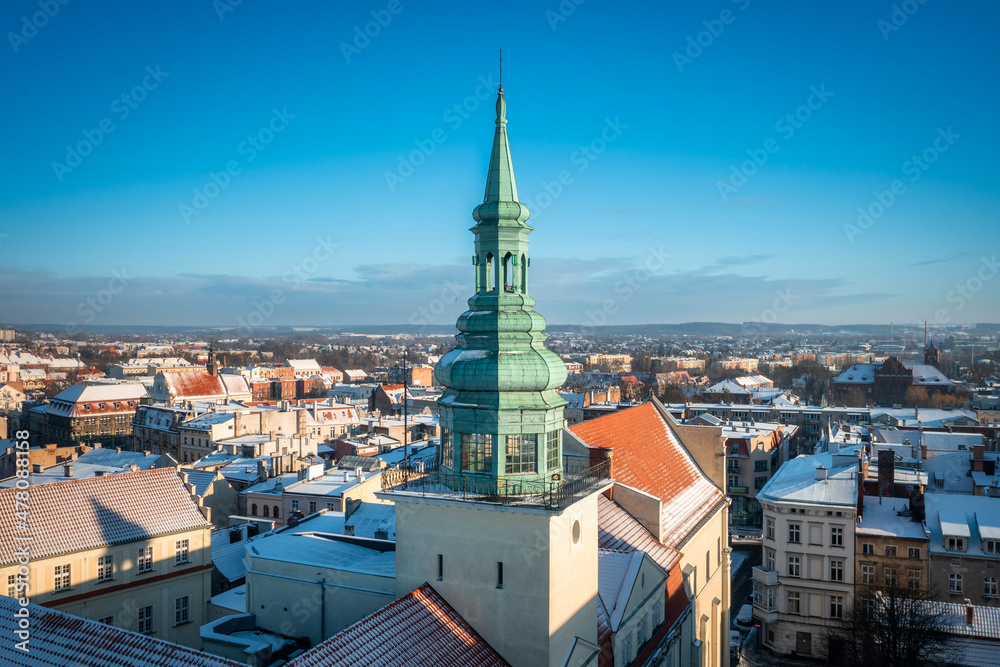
{"x":806,"y":580}
{"x":130,"y":550}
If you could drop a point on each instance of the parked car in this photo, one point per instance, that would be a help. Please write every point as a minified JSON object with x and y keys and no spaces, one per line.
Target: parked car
{"x":745,"y":617}
{"x":735,"y":640}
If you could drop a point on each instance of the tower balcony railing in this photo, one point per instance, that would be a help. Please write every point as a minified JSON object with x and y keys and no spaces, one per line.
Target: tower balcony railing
{"x":553,"y":494}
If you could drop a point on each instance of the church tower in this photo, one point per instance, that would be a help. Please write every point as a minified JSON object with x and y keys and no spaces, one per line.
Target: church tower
{"x":501,"y":416}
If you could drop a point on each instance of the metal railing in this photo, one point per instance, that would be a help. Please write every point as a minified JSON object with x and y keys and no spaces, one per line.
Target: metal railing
{"x":505,"y":491}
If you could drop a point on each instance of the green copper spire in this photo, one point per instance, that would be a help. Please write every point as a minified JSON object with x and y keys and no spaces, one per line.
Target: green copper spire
{"x":501,"y":415}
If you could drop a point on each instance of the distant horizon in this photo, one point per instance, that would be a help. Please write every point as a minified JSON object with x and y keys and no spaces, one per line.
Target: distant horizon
{"x":169,"y":163}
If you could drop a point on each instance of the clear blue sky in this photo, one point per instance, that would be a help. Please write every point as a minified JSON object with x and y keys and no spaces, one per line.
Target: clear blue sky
{"x":789,"y":233}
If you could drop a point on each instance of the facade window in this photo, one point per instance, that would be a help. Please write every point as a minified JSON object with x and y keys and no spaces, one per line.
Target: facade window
{"x":836,"y":606}
{"x":520,"y":453}
{"x":640,"y":632}
{"x":795,"y":533}
{"x":954,"y":543}
{"x":477,"y":452}
{"x":12,"y":586}
{"x":732,"y":465}
{"x":760,"y":466}
{"x":144,"y":562}
{"x":277,"y":512}
{"x":734,"y":481}
{"x":954,"y":582}
{"x":552,"y":451}
{"x":889,"y":575}
{"x":868,"y":548}
{"x":769,"y":560}
{"x":769,"y":528}
{"x":267,"y":511}
{"x":836,"y":536}
{"x":990,"y":587}
{"x":913,"y":552}
{"x":991,"y":546}
{"x":144,"y":616}
{"x":836,"y":570}
{"x":890,"y":551}
{"x":312,"y":506}
{"x":253,"y":509}
{"x":759,"y":482}
{"x":913,"y":576}
{"x":107,"y":620}
{"x":62,"y":578}
{"x":867,"y":574}
{"x":181,"y":552}
{"x":295,"y":505}
{"x":181,"y":610}
{"x":794,"y":602}
{"x":105,"y":567}
{"x":794,"y":566}
{"x":447,"y":452}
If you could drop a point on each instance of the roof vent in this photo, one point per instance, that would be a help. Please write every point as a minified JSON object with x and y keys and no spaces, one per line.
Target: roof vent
{"x":821,"y":473}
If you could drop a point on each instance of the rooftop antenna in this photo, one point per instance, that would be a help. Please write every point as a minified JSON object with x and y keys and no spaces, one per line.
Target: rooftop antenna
{"x":501,"y":69}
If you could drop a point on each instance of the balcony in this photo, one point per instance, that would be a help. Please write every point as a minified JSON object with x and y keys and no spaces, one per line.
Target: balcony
{"x":765,"y":577}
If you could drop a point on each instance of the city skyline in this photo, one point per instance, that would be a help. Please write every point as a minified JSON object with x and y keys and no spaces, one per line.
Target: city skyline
{"x":679,"y":164}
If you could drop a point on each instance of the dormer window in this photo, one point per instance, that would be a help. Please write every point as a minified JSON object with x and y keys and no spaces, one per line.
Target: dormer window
{"x":101,"y":406}
{"x":86,"y":406}
{"x":954,"y":543}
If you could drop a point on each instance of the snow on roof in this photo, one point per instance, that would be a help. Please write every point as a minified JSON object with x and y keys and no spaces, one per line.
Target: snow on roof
{"x":985,"y":621}
{"x":85,"y":393}
{"x":857,"y":374}
{"x":420,"y":628}
{"x":227,"y":555}
{"x":112,"y":457}
{"x":90,"y":513}
{"x":933,"y":440}
{"x":58,"y":638}
{"x":954,"y":523}
{"x":235,"y":599}
{"x":619,"y":530}
{"x":795,"y":481}
{"x":649,"y":456}
{"x":370,"y":518}
{"x":616,"y":574}
{"x":201,"y":480}
{"x":959,"y":515}
{"x":309,"y":544}
{"x":927,"y":375}
{"x":883,"y":519}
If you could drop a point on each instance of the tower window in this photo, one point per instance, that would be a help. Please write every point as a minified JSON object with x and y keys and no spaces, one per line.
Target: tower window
{"x":477,"y":452}
{"x":447,"y":454}
{"x":489,"y":272}
{"x":508,"y":273}
{"x":524,"y":274}
{"x":552,"y":451}
{"x":520,"y":453}
{"x":499,"y":575}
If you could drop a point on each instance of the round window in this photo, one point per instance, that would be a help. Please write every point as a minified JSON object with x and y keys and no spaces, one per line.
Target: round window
{"x":576,"y":532}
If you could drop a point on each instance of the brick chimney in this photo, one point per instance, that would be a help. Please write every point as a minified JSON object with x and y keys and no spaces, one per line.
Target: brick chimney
{"x":886,"y":473}
{"x":970,"y":612}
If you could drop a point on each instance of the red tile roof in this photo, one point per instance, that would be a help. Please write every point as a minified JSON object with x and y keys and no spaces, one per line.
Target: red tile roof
{"x":193,"y":384}
{"x":648,"y":455}
{"x":420,"y":628}
{"x":63,"y":640}
{"x":619,"y":530}
{"x":72,"y":516}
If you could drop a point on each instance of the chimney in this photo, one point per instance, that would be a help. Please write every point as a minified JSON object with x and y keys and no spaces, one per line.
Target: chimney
{"x":923,"y":452}
{"x":68,"y":470}
{"x":36,"y":468}
{"x":970,"y":612}
{"x":100,"y":473}
{"x":886,"y":473}
{"x":279,"y":487}
{"x":821,"y":473}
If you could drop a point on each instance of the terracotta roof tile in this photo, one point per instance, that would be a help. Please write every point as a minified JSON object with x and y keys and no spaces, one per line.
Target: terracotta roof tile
{"x":72,"y":516}
{"x":193,"y":384}
{"x":58,"y":638}
{"x":420,"y":628}
{"x":648,"y":455}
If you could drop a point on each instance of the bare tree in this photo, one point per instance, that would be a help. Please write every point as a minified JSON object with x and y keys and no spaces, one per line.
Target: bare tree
{"x":891,"y":625}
